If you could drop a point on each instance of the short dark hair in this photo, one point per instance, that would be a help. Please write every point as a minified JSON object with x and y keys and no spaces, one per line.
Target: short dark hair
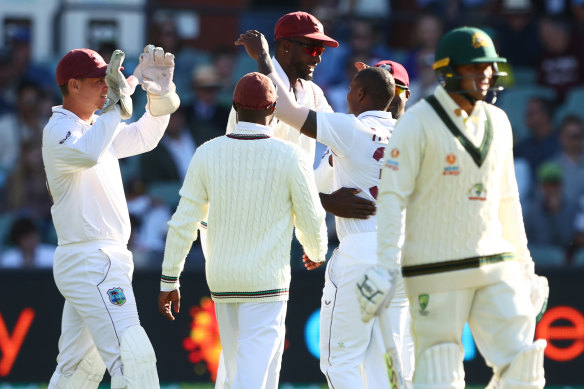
{"x":22,"y":226}
{"x":379,"y":84}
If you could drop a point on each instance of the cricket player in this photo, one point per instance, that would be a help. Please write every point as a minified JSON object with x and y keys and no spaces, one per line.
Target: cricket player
{"x":93,"y":267}
{"x":449,"y":168}
{"x":357,"y":141}
{"x":300,"y":43}
{"x":255,"y":189}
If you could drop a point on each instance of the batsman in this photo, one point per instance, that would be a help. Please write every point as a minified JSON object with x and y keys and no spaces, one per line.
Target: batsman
{"x":449,"y":180}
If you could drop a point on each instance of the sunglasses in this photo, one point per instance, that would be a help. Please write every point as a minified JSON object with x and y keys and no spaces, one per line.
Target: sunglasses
{"x":399,"y":89}
{"x":309,"y":48}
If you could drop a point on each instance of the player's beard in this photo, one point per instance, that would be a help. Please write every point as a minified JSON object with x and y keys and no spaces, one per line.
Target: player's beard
{"x":302,"y":70}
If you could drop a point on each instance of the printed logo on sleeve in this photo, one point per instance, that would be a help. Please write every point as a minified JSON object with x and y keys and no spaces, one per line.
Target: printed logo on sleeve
{"x":65,"y":138}
{"x":116,"y":296}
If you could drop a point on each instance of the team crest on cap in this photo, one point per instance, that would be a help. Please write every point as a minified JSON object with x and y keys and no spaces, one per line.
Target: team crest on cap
{"x":423,"y":301}
{"x":477,"y":192}
{"x":480,"y":39}
{"x":116,"y":296}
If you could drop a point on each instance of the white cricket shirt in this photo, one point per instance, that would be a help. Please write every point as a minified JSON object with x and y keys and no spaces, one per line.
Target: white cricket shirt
{"x":83,"y":173}
{"x":358,"y":144}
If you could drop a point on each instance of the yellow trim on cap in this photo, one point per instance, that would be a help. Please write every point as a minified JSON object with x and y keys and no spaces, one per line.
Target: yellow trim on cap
{"x":441,"y":63}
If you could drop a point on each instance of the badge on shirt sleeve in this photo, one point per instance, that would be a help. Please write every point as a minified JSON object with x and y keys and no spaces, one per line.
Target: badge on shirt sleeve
{"x":116,"y":296}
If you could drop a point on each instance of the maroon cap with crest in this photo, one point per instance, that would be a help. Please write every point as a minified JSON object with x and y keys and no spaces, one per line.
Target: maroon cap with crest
{"x":80,"y":63}
{"x":255,"y":92}
{"x":302,"y":24}
{"x":397,"y":71}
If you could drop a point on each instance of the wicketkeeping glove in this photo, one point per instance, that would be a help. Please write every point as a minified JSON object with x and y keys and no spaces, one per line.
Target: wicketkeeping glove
{"x":119,"y":89}
{"x":374,"y":291}
{"x":155,"y":72}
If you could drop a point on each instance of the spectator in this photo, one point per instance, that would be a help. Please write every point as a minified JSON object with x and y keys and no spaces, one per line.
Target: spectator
{"x":27,"y":251}
{"x":549,"y":219}
{"x":542,"y":142}
{"x":169,"y":161}
{"x":26,"y":122}
{"x":428,"y":30}
{"x":26,"y":190}
{"x":517,"y":35}
{"x":165,"y":34}
{"x":205,"y":115}
{"x":561,"y":64}
{"x":571,"y":156}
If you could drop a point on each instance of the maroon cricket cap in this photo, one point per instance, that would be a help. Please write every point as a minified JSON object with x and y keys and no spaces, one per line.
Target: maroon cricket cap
{"x":397,"y":71}
{"x":80,"y":63}
{"x":302,"y":24}
{"x":254,"y":91}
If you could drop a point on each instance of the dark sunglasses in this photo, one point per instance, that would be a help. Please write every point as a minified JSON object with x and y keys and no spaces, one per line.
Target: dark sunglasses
{"x":309,"y":48}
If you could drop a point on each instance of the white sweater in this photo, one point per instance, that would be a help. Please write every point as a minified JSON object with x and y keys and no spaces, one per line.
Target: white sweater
{"x":255,"y":189}
{"x":464,"y":226}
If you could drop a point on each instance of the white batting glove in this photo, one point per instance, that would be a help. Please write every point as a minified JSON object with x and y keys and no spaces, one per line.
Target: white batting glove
{"x":540,"y":289}
{"x":540,"y":292}
{"x":155,"y":72}
{"x":119,"y":89}
{"x":374,"y":291}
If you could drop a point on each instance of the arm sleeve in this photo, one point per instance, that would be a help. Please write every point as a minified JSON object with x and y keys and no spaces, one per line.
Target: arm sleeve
{"x":140,"y":136}
{"x":403,"y":157}
{"x":183,"y":225}
{"x":337,"y":131}
{"x":324,"y":173}
{"x":80,"y":151}
{"x":287,"y":109}
{"x":309,"y":215}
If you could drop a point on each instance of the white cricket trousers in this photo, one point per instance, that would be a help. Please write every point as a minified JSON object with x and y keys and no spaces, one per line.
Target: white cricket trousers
{"x":500,"y":317}
{"x":252,"y":338}
{"x":352,"y":352}
{"x":95,"y":279}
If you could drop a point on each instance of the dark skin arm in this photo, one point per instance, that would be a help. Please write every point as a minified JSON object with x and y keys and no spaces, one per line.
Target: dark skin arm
{"x":343,"y":202}
{"x":257,"y":48}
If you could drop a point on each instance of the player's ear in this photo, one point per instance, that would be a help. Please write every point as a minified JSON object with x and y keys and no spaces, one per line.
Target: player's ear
{"x":73,"y":85}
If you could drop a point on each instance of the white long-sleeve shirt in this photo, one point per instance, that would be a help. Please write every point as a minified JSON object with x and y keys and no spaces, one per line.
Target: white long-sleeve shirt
{"x":307,"y":94}
{"x":83,"y":173}
{"x":255,"y":189}
{"x":464,"y":226}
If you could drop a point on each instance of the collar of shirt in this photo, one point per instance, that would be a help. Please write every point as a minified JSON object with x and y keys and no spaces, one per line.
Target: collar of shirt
{"x":473,"y":124}
{"x":72,"y":116}
{"x":294,"y":89}
{"x":380,"y":114}
{"x":247,"y":128}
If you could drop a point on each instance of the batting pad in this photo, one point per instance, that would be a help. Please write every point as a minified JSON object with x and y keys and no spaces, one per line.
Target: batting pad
{"x":139,"y":361}
{"x":87,"y":375}
{"x":526,"y":370}
{"x":440,"y":367}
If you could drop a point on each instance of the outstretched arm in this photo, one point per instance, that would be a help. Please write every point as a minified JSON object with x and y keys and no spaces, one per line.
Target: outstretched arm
{"x":287,"y":109}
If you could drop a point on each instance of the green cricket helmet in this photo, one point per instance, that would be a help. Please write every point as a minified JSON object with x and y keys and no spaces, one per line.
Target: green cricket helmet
{"x":463,"y":46}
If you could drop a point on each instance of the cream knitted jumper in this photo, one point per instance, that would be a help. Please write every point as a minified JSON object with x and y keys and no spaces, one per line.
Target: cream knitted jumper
{"x":464,"y":226}
{"x":255,"y":189}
